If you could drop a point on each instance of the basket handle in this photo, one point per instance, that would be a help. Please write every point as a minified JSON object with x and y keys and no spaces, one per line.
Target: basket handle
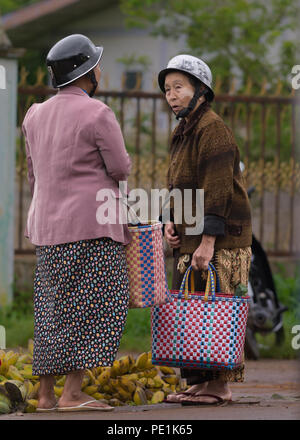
{"x":186,"y":290}
{"x":212,"y":284}
{"x":131,"y":211}
{"x":184,"y":283}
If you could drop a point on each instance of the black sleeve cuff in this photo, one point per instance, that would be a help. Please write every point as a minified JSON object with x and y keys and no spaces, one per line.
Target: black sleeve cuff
{"x":214,"y":225}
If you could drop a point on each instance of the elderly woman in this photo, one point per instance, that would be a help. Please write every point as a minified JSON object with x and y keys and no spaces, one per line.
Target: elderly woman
{"x":75,"y":148}
{"x":204,"y":155}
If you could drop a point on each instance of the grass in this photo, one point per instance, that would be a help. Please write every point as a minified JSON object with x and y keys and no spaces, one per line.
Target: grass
{"x":137,"y":333}
{"x":18,"y":329}
{"x":17,"y":318}
{"x":268,"y":347}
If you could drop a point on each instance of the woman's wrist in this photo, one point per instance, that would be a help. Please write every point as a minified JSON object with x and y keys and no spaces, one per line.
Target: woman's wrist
{"x":208,"y":239}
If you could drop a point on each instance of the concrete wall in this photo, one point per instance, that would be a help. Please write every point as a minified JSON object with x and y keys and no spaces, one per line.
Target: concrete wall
{"x":7,"y":173}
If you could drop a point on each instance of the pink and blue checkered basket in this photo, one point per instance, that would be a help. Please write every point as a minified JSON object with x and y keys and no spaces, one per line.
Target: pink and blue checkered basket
{"x":146,"y":266}
{"x":200,"y":329}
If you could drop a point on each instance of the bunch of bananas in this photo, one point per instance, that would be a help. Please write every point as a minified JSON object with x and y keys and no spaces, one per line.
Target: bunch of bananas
{"x":128,"y":381}
{"x":18,"y":387}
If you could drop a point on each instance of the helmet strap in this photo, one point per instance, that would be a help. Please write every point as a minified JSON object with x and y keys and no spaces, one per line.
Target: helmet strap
{"x":187,"y":110}
{"x":92,"y":78}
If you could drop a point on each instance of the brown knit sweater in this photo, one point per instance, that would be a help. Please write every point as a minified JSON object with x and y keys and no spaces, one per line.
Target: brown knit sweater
{"x":204,"y":155}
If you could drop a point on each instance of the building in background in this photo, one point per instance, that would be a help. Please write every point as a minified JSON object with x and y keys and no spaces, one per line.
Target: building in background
{"x":132,"y":57}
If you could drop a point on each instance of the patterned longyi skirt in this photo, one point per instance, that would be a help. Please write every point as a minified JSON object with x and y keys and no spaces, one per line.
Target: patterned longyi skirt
{"x":81,"y":298}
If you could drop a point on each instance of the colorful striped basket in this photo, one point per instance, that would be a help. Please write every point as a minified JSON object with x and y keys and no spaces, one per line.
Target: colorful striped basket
{"x":146,"y":266}
{"x":200,"y":329}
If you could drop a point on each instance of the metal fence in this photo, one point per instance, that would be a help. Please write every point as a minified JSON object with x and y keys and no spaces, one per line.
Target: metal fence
{"x":265,"y":129}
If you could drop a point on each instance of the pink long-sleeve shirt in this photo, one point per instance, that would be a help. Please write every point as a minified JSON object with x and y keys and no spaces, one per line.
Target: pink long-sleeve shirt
{"x":74,"y":148}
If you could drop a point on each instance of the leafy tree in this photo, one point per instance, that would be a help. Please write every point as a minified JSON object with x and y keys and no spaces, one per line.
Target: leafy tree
{"x":235,"y":36}
{"x":7,"y":6}
{"x":31,"y":60}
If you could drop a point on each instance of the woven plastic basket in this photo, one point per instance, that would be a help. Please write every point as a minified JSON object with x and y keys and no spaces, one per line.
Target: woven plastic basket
{"x":200,"y":329}
{"x":146,"y":266}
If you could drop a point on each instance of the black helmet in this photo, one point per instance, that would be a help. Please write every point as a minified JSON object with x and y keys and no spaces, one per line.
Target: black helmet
{"x":71,"y":58}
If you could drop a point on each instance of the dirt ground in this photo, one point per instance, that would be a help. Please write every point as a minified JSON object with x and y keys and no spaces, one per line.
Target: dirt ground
{"x":271,"y":391}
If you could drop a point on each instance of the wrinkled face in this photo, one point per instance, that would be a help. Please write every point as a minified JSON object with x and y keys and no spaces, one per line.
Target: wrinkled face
{"x":179,"y":91}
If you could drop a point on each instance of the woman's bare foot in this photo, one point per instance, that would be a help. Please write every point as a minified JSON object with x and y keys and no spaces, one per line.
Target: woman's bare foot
{"x":72,"y":394}
{"x":46,"y":396}
{"x":177,"y":397}
{"x":217,"y":388}
{"x":47,"y":402}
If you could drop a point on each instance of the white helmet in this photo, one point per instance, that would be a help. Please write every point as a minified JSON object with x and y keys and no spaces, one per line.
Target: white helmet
{"x":191,"y":65}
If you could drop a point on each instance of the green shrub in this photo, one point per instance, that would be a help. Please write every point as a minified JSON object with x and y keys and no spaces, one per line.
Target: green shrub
{"x":288,"y":287}
{"x":288,"y":293}
{"x":17,"y":318}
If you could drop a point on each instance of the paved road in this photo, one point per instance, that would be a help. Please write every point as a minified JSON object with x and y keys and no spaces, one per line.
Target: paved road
{"x":271,"y":391}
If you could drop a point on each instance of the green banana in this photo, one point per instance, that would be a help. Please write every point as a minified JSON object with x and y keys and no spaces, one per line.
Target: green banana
{"x":4,"y":408}
{"x":158,"y":397}
{"x":140,"y":397}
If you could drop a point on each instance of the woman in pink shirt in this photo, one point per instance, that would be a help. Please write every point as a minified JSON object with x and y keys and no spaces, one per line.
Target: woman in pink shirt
{"x":75,"y":149}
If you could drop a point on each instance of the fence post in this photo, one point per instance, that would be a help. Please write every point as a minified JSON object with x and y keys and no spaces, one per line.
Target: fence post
{"x":8,"y":124}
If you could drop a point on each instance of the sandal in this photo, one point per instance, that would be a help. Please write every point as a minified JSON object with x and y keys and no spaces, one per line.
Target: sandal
{"x":38,"y":409}
{"x":84,"y":407}
{"x":194,"y":400}
{"x":181,"y":395}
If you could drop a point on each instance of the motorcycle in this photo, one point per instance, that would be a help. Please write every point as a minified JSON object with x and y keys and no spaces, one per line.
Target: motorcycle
{"x":265,"y":312}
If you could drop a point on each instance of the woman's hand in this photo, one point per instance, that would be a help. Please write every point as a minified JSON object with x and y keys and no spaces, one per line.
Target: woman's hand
{"x":172,"y":239}
{"x":204,"y":253}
